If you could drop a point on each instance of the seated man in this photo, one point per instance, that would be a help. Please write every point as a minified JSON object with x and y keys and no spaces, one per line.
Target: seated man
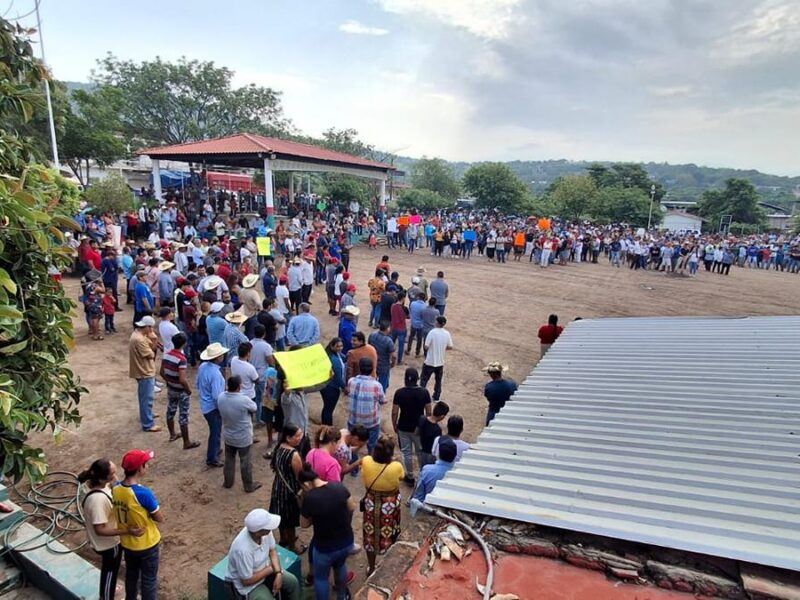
{"x":430,"y":474}
{"x":254,"y":568}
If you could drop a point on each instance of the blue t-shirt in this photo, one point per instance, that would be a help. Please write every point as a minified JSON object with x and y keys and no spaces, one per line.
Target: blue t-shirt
{"x":498,"y":392}
{"x":141,"y":292}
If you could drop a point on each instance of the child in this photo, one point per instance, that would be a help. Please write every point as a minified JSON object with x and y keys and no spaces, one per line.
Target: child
{"x":429,"y":430}
{"x":109,"y":308}
{"x":373,"y":241}
{"x":93,"y":304}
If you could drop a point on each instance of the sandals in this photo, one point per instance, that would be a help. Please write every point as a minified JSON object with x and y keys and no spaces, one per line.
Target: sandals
{"x":192,"y":445}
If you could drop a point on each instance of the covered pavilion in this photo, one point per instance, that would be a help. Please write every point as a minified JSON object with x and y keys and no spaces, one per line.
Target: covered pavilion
{"x":248,"y":150}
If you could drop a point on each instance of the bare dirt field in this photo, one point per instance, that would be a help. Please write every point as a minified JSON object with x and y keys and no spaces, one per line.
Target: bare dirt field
{"x":493,"y":313}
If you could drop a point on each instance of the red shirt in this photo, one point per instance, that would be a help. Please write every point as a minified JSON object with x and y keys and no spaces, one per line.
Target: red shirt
{"x":109,"y":306}
{"x":224,"y":271}
{"x":549,"y":333}
{"x":399,"y":317}
{"x":93,"y":256}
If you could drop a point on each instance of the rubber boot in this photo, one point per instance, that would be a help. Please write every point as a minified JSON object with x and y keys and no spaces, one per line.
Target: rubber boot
{"x":187,"y":443}
{"x":171,"y":428}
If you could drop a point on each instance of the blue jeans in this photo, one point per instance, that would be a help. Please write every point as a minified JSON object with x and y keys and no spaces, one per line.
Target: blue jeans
{"x":214,"y":420}
{"x":383,"y":379}
{"x":330,"y":397}
{"x":401,"y":344}
{"x":323,"y":563}
{"x":440,"y":308}
{"x":375,"y":313}
{"x":147,"y":395}
{"x":260,"y":387}
{"x":141,"y":565}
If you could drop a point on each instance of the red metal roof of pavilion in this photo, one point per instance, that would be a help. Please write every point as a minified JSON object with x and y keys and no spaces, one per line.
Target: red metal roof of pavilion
{"x":248,"y":146}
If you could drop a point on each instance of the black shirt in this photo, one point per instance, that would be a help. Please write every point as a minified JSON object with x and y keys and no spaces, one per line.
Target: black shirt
{"x":412,"y":402}
{"x":498,"y":392}
{"x":268,"y":321}
{"x":326,"y":507}
{"x":428,"y":432}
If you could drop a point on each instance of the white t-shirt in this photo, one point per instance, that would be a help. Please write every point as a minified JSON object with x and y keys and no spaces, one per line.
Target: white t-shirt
{"x":282,"y":292}
{"x":461,"y":445}
{"x":166,"y":329}
{"x":244,"y":254}
{"x":97,"y":509}
{"x":246,"y":557}
{"x":280,"y":330}
{"x":437,"y":342}
{"x":248,"y":373}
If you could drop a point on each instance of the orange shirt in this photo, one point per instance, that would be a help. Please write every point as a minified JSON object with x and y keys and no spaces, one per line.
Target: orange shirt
{"x":519,"y":239}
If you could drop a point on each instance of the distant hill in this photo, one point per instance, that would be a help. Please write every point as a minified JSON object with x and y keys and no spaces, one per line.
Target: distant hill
{"x":683,"y":182}
{"x":78,"y":85}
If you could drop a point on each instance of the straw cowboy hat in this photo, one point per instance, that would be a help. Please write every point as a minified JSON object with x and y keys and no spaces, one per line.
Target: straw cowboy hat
{"x":149,"y":246}
{"x":351,"y":310}
{"x":165,"y":266}
{"x":420,"y":270}
{"x":237,"y":318}
{"x":250,"y":280}
{"x":212,"y":282}
{"x":212,"y":351}
{"x":495,"y":367}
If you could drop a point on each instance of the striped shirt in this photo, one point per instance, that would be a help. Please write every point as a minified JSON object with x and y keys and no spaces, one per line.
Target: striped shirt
{"x":173,"y":362}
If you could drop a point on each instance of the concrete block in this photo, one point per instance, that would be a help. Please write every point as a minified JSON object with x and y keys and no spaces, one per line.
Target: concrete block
{"x":64,"y":576}
{"x":8,"y":519}
{"x":216,"y":575}
{"x":10,"y":577}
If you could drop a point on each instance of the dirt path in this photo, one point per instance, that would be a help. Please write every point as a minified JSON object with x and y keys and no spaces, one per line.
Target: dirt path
{"x":493,"y":314}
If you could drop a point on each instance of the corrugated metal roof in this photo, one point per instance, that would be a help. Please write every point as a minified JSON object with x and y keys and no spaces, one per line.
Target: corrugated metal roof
{"x":679,"y":432}
{"x":250,"y":143}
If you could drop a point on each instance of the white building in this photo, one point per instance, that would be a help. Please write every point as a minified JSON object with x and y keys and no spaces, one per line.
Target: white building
{"x":676,"y":220}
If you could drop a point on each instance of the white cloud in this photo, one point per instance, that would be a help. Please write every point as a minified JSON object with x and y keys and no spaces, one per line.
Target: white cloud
{"x":284,"y":82}
{"x":357,"y":28}
{"x":673,"y":91}
{"x":771,"y":30}
{"x":489,"y":19}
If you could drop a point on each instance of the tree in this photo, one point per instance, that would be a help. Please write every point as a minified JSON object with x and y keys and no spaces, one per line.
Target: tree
{"x":422,"y":200}
{"x":93,"y":131}
{"x":111,"y":194}
{"x":625,"y":176}
{"x":573,"y":196}
{"x":494,"y":185}
{"x":344,"y":188}
{"x":345,"y":140}
{"x":436,"y":175}
{"x":173,"y":103}
{"x":37,"y":387}
{"x":739,"y":199}
{"x":623,"y":205}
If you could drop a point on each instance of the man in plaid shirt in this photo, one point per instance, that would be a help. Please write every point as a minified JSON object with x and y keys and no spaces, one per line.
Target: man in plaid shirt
{"x":366,"y":397}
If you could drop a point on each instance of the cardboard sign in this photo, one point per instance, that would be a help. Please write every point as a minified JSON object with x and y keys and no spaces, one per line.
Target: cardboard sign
{"x":416,"y":219}
{"x":264,"y":245}
{"x":544,"y":224}
{"x":403,"y":220}
{"x":305,"y":368}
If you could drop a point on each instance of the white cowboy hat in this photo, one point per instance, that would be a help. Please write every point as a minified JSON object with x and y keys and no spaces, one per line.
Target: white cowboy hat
{"x":165,"y":265}
{"x":351,"y":310}
{"x":495,"y":367}
{"x":212,"y":351}
{"x":212,"y":282}
{"x":250,"y":280}
{"x":236,"y":317}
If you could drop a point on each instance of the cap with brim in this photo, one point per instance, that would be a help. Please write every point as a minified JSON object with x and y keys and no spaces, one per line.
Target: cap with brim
{"x":351,"y":288}
{"x":351,"y":310}
{"x":420,"y":270}
{"x":213,"y":282}
{"x":136,"y":459}
{"x":165,"y":265}
{"x":217,"y":306}
{"x":93,"y":275}
{"x":236,"y":318}
{"x":108,"y":244}
{"x":495,"y":367}
{"x":250,"y":280}
{"x":259,"y":519}
{"x":165,"y":310}
{"x":149,"y":246}
{"x":213,"y":351}
{"x":146,"y":321}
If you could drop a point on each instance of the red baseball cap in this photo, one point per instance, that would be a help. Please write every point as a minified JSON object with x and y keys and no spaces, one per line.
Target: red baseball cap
{"x":136,"y":459}
{"x":346,"y":275}
{"x":283,"y":279}
{"x":180,"y":280}
{"x":190,"y":293}
{"x":351,"y":288}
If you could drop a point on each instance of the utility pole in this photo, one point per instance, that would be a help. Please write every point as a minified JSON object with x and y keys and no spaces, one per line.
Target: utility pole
{"x":53,"y":140}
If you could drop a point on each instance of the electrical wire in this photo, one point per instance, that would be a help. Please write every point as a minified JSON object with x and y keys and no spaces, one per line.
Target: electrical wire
{"x":54,"y":501}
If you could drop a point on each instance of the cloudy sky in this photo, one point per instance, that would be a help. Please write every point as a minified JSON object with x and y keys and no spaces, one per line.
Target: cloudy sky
{"x":714,"y":82}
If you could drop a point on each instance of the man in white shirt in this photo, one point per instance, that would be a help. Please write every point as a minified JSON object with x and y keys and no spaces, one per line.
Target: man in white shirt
{"x":254,"y":568}
{"x":391,"y":231}
{"x":295,"y":283}
{"x":166,"y":328}
{"x":241,"y":366}
{"x":307,"y":278}
{"x":437,"y":343}
{"x":181,"y":260}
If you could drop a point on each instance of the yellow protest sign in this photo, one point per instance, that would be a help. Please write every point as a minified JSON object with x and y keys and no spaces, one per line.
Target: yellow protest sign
{"x":305,"y":368}
{"x":264,"y":245}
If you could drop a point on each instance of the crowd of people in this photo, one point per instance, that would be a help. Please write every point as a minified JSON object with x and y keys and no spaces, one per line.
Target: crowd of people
{"x":201,"y":296}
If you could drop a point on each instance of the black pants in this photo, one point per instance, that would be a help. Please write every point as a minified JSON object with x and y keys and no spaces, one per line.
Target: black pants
{"x":295,"y":298}
{"x":724,"y":269}
{"x":437,"y":373}
{"x":109,"y":323}
{"x":109,"y":569}
{"x":420,"y":337}
{"x":305,"y":292}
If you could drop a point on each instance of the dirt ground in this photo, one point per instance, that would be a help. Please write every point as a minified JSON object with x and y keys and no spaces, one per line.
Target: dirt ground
{"x":493,"y":313}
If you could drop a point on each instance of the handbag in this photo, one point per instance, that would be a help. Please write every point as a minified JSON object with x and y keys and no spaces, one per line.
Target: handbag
{"x":362,"y":503}
{"x":298,"y":495}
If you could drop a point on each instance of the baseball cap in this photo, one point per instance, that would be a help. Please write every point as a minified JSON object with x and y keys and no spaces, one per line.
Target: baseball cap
{"x":217,"y":306}
{"x":146,"y":321}
{"x":190,"y":293}
{"x":136,"y":459}
{"x":259,"y":519}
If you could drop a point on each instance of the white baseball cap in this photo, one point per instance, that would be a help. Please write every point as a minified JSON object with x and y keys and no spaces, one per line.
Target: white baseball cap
{"x":259,"y":519}
{"x":146,"y":321}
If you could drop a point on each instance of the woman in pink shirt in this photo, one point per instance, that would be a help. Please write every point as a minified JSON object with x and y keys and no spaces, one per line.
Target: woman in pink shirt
{"x":321,"y":456}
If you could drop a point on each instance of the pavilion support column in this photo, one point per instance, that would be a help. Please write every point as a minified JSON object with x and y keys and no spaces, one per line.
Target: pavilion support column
{"x":291,"y":187}
{"x":382,"y":196}
{"x":269,"y":193}
{"x":157,"y":179}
